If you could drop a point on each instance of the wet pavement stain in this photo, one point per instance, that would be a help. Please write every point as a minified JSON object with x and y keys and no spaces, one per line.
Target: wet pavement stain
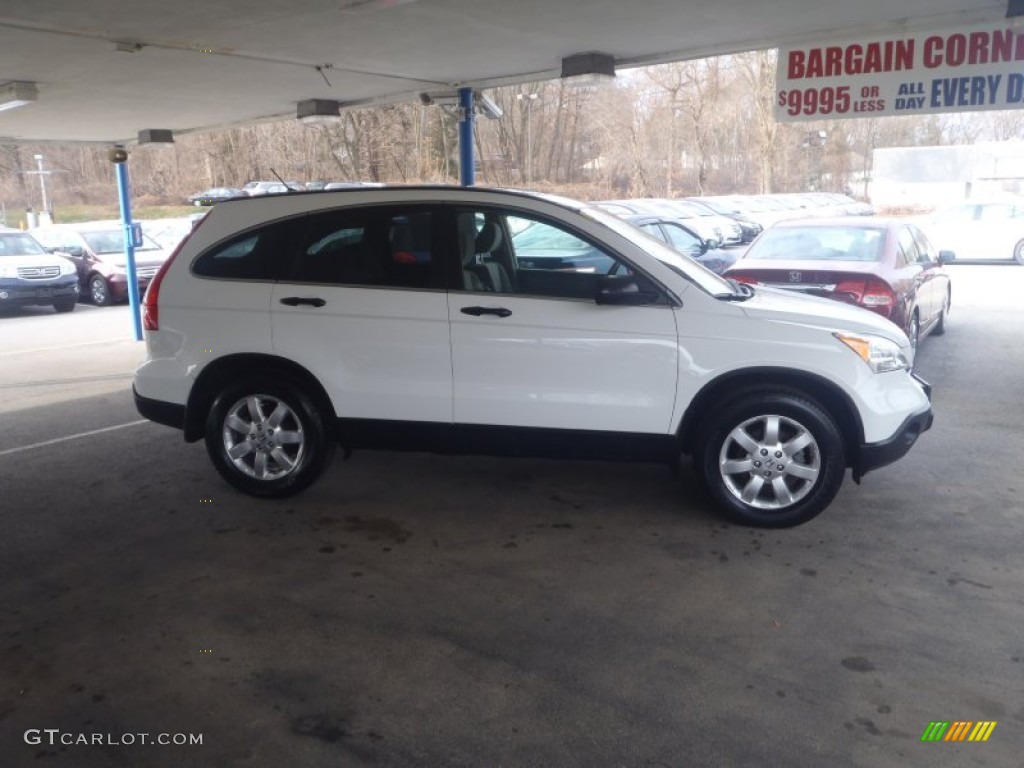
{"x":869,"y":726}
{"x":808,"y":572}
{"x":858,"y":664}
{"x":954,"y":580}
{"x":378,"y":528}
{"x":319,"y":727}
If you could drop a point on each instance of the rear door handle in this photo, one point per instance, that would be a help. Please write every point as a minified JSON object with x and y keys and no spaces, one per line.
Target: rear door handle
{"x":477,"y":311}
{"x":294,"y":301}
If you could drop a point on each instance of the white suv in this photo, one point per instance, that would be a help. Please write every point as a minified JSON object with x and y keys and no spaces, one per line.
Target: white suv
{"x":505,"y":323}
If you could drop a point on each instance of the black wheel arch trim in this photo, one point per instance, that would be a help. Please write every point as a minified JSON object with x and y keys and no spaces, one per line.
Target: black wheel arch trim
{"x":734,"y":384}
{"x":224,"y":370}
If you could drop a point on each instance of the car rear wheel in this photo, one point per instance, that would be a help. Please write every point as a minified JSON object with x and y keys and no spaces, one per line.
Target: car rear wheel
{"x":772,"y":461}
{"x":267,"y":437}
{"x":65,"y":305}
{"x":99,"y":291}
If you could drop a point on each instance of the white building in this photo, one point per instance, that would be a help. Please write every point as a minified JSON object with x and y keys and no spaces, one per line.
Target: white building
{"x":924,"y":178}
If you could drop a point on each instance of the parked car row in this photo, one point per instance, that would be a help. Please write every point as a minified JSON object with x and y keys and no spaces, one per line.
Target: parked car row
{"x":258,"y":188}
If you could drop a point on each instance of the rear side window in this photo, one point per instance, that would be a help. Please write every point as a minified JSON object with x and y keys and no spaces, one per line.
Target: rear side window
{"x":254,"y":255}
{"x":387,"y":247}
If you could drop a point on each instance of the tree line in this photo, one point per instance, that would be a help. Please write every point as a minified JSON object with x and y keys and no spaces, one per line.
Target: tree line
{"x":687,"y":128}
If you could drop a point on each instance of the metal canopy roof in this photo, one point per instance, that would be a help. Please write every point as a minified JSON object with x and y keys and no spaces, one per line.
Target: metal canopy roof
{"x":106,"y":69}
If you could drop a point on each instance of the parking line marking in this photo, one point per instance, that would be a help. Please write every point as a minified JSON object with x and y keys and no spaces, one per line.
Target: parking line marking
{"x":63,"y":346}
{"x":56,"y":440}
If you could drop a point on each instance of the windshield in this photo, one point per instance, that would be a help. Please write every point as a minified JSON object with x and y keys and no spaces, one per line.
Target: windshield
{"x":19,"y":245}
{"x":684,"y":266}
{"x":717,"y":207}
{"x":112,"y":241}
{"x":819,"y":243}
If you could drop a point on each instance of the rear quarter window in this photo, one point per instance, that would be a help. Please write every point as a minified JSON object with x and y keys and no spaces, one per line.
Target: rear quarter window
{"x":259,"y":254}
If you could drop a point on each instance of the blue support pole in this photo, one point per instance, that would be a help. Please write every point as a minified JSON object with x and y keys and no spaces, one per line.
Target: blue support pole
{"x":124,"y":198}
{"x":467,"y":163}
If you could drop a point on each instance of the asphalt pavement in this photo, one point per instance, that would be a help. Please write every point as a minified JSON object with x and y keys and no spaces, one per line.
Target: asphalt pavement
{"x":417,"y":610}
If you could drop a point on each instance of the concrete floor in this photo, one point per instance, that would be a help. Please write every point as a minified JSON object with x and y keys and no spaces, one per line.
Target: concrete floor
{"x":413,"y":610}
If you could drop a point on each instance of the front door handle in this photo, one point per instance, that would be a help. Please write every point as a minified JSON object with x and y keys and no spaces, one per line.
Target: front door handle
{"x":294,"y":301}
{"x":477,"y":311}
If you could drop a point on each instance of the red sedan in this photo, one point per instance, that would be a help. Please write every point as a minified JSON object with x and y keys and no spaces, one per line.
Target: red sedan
{"x":883,"y":265}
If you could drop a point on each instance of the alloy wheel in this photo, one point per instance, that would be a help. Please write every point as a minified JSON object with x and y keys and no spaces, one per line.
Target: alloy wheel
{"x":263,"y":437}
{"x":770,"y":462}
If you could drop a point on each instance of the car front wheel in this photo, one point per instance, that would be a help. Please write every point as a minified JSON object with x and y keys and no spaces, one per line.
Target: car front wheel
{"x":65,"y":305}
{"x":772,"y":461}
{"x":99,"y":291}
{"x":267,"y":437}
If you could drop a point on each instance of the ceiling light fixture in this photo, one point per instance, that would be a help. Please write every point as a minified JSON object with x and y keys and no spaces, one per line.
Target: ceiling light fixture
{"x":318,"y":111}
{"x":588,"y":69}
{"x":159,"y":136}
{"x":17,"y":94}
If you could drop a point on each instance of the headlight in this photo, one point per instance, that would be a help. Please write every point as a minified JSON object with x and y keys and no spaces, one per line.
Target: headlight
{"x":880,"y":354}
{"x":67,"y":268}
{"x":8,"y":271}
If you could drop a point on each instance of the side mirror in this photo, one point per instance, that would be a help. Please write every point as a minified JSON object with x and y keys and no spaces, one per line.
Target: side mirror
{"x":946,"y":257}
{"x":712,"y":244}
{"x":624,"y":292}
{"x":75,"y":251}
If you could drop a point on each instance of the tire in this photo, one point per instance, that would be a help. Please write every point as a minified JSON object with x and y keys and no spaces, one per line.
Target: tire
{"x":99,"y":291}
{"x":1018,"y":252}
{"x":265,"y":409}
{"x":737,"y":440}
{"x":940,"y":324}
{"x":65,"y":305}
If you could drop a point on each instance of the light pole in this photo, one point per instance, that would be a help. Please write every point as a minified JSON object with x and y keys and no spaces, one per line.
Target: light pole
{"x":529,"y":98}
{"x":42,"y":182}
{"x":814,"y":139}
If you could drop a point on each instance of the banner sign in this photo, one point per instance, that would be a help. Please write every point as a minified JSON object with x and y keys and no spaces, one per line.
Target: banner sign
{"x":970,"y":69}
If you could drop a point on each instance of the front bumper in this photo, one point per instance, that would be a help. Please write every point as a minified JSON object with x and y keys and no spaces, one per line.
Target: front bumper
{"x":17,"y":292}
{"x":119,"y":286}
{"x":874,"y":455}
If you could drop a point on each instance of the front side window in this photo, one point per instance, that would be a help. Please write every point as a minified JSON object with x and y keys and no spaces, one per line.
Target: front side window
{"x":998,"y":212}
{"x":514,"y":253}
{"x":908,"y":245}
{"x":924,"y":245}
{"x":681,"y":240}
{"x":382,"y":247}
{"x":653,"y":230}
